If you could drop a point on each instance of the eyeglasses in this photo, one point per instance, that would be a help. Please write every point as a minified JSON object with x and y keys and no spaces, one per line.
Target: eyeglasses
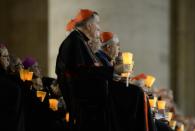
{"x":19,"y":65}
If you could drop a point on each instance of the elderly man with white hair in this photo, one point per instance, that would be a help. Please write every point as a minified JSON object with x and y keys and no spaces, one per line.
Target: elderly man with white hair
{"x":11,"y":112}
{"x":110,"y":48}
{"x":81,"y":77}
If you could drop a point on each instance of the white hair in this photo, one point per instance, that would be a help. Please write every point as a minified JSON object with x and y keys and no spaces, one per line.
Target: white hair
{"x":111,"y":41}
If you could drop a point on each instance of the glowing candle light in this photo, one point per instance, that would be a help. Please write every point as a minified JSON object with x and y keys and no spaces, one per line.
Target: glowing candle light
{"x":172,"y":124}
{"x":127,"y":58}
{"x":67,"y":117}
{"x":26,"y":75}
{"x":53,"y":104}
{"x":161,"y":105}
{"x":41,"y":94}
{"x":181,"y":128}
{"x":29,"y":75}
{"x":169,"y":116}
{"x":149,"y":81}
{"x":22,"y":75}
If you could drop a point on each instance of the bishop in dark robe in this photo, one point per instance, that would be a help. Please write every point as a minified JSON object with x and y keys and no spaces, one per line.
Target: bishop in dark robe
{"x":132,"y":111}
{"x":82,"y":80}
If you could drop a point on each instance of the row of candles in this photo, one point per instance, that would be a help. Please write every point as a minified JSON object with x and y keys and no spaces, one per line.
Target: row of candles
{"x":26,"y":75}
{"x":157,"y":106}
{"x":127,"y":59}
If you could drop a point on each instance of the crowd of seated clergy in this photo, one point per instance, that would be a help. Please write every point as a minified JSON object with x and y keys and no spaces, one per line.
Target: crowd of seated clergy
{"x":95,"y":89}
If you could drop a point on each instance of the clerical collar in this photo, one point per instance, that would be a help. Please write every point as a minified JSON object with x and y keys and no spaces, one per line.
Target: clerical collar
{"x":83,"y":35}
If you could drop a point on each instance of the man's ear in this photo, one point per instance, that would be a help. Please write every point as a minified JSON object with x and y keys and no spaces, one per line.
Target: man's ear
{"x":109,"y":46}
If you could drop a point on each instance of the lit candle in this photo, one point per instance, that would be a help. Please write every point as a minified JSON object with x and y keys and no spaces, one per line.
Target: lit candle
{"x":169,"y":116}
{"x":161,"y":105}
{"x":127,"y":58}
{"x":41,"y":94}
{"x":29,"y":76}
{"x":67,"y":117}
{"x":22,"y":75}
{"x":172,"y":124}
{"x":152,"y":103}
{"x":26,"y":75}
{"x":149,"y":81}
{"x":53,"y":104}
{"x":181,"y":128}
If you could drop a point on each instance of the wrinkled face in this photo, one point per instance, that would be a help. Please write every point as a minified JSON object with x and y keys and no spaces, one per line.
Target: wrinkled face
{"x":113,"y":50}
{"x":15,"y":65}
{"x":38,"y":84}
{"x":18,"y":65}
{"x":94,"y":28}
{"x":36,"y":70}
{"x":4,"y":58}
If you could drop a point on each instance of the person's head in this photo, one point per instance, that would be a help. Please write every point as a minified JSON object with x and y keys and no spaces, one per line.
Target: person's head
{"x":15,"y":64}
{"x":88,"y":22}
{"x":4,"y":57}
{"x":139,"y":80}
{"x":110,"y":44}
{"x":37,"y":83}
{"x":32,"y":65}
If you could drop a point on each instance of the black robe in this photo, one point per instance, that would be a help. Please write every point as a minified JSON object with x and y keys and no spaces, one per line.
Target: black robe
{"x":161,"y":126}
{"x":128,"y":104}
{"x":83,"y":85}
{"x":11,"y":96}
{"x":39,"y":115}
{"x":57,"y":121}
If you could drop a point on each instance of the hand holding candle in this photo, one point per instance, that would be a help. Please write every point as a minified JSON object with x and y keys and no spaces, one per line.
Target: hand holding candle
{"x":128,"y":63}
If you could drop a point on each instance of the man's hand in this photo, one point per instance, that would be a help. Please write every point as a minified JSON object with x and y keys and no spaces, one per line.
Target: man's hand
{"x":122,"y":68}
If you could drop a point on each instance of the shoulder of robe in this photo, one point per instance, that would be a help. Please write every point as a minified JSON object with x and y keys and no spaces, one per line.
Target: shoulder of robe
{"x":137,"y":88}
{"x":73,"y":39}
